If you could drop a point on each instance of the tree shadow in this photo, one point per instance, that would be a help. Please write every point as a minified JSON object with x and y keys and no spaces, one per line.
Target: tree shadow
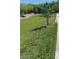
{"x":39,"y":28}
{"x":23,"y":16}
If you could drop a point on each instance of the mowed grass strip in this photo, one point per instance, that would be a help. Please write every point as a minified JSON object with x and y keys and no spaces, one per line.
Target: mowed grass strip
{"x":40,"y":43}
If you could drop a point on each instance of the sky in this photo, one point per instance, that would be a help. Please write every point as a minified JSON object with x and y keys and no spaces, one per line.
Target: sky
{"x":35,"y":1}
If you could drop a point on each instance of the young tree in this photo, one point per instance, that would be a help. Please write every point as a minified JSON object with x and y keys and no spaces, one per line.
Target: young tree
{"x":47,"y":14}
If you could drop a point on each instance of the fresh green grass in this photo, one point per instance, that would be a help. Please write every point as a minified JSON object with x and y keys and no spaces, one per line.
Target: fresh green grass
{"x":38,"y":44}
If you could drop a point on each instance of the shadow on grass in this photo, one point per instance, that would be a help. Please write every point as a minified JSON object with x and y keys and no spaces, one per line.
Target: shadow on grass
{"x":39,"y":28}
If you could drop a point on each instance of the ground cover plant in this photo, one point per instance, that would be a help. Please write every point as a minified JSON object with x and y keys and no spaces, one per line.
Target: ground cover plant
{"x":38,"y":41}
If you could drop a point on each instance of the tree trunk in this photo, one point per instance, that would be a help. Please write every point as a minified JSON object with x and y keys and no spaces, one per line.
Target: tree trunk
{"x":47,"y":21}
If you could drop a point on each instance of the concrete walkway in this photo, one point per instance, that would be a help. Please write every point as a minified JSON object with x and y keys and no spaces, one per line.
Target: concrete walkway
{"x":57,"y":43}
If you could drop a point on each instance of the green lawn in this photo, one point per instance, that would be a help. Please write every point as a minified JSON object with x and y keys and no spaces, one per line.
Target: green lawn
{"x":40,"y":43}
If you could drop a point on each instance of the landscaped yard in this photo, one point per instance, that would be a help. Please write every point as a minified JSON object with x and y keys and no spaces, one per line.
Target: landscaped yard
{"x":36,"y":40}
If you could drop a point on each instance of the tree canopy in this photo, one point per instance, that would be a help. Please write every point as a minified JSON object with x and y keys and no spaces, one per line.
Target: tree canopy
{"x":37,"y":8}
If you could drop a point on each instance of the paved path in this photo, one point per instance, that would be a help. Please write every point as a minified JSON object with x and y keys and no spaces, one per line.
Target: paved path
{"x":57,"y":44}
{"x":27,"y":16}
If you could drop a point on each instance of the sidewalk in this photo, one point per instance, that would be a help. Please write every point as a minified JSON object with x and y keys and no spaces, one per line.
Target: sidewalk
{"x":57,"y":43}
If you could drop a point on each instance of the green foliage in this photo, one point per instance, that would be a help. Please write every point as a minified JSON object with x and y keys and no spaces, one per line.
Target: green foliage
{"x":23,"y":7}
{"x":26,"y":7}
{"x":56,"y":7}
{"x":37,"y":8}
{"x":46,"y":12}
